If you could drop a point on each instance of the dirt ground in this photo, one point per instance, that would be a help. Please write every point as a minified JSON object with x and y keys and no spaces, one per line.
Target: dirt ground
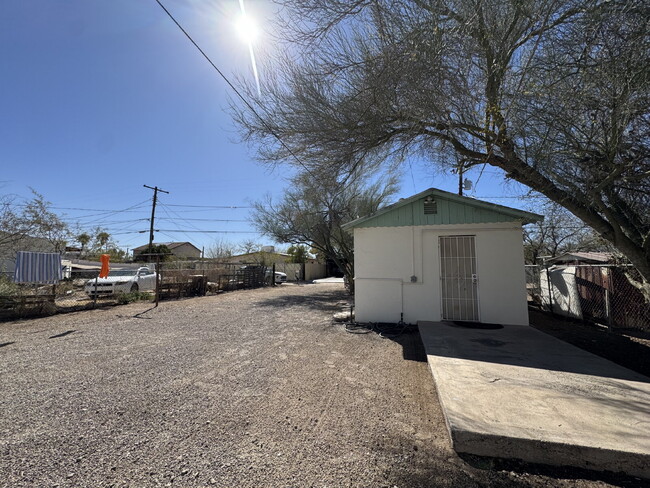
{"x":252,"y":388}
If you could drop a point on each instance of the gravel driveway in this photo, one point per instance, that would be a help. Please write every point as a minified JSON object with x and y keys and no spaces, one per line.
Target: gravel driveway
{"x":251,"y":388}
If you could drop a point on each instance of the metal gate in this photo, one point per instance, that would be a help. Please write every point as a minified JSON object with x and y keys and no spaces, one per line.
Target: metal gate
{"x":458,"y":278}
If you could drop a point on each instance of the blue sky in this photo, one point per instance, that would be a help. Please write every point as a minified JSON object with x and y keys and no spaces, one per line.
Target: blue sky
{"x":102,"y":97}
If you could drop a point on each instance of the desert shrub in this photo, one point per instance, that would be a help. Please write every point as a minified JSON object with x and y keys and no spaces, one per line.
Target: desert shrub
{"x":134,"y":296}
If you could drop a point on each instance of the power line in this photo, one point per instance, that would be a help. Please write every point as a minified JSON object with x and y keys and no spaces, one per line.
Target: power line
{"x":237,"y":92}
{"x":183,"y":231}
{"x":514,"y":198}
{"x":128,"y":209}
{"x":208,"y":231}
{"x":176,"y":222}
{"x":202,"y":220}
{"x":189,"y":223}
{"x":208,"y":206}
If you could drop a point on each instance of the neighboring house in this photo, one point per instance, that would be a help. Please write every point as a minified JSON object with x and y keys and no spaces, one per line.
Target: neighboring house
{"x":178,"y":249}
{"x":311,"y":269}
{"x":576,"y":258}
{"x":72,"y":252}
{"x":439,"y":256}
{"x":266,"y":256}
{"x":587,"y":285}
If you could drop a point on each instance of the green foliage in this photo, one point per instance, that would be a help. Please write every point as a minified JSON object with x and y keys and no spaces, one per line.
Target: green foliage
{"x":154,"y":252}
{"x":102,"y":238}
{"x":131,"y":297}
{"x":84,"y":239}
{"x":298,"y":253}
{"x":315,"y":208}
{"x":8,"y":287}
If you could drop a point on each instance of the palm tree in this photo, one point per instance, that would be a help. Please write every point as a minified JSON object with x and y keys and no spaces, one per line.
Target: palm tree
{"x":102,"y":239}
{"x":83,"y":239}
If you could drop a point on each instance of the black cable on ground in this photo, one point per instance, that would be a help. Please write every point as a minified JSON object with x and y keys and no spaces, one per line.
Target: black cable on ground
{"x":391,"y":330}
{"x":388,"y":331}
{"x":354,"y":328}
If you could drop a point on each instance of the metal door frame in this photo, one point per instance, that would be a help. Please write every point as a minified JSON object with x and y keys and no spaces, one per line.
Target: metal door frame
{"x":474,"y":277}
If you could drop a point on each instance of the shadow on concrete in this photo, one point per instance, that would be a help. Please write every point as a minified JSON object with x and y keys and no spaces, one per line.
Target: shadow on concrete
{"x":7,"y":343}
{"x":628,"y":348}
{"x":521,"y":346}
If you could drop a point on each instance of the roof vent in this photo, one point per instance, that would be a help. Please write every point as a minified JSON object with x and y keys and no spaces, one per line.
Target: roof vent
{"x":430,"y":205}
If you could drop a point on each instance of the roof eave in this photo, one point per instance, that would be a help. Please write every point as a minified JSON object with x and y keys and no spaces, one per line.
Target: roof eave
{"x":521,"y":215}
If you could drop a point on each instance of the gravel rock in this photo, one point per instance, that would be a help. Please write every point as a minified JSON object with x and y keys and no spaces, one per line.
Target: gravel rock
{"x":247,"y":389}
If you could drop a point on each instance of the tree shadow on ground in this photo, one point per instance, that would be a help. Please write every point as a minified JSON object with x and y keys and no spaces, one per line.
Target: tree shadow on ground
{"x":62,"y":334}
{"x":328,"y":301}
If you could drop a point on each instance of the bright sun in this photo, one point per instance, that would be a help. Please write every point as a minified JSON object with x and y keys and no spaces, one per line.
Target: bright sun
{"x":247,"y":28}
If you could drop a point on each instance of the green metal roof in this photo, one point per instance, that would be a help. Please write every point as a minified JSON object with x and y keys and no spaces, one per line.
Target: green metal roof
{"x":450,"y":209}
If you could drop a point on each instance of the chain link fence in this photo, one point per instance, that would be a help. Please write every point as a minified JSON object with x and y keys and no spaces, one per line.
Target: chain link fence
{"x":82,"y":290}
{"x":598,"y":293}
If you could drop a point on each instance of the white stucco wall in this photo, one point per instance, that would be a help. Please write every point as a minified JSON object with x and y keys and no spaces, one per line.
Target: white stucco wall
{"x":566,"y":299}
{"x":387,"y":257}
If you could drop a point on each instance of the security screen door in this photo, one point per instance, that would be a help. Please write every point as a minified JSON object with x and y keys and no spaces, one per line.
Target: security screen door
{"x":458,"y":278}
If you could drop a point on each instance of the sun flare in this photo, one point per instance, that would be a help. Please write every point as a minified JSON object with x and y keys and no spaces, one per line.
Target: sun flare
{"x":247,"y":28}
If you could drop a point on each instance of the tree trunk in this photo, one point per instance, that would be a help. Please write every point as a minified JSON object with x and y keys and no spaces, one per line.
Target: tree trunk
{"x":526,"y":175}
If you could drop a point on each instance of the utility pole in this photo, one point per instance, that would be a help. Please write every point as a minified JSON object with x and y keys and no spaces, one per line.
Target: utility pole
{"x":153,"y":210}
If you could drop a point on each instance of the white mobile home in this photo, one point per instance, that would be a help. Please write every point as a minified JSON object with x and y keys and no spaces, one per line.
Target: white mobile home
{"x":439,"y":256}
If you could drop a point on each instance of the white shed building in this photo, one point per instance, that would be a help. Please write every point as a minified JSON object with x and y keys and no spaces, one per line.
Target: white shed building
{"x":440,"y":256}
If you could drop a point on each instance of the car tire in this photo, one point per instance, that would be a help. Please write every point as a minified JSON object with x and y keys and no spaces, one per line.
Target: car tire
{"x":134,"y":287}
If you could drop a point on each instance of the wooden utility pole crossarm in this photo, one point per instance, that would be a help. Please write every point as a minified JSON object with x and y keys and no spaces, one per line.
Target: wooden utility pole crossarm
{"x":153,"y":211}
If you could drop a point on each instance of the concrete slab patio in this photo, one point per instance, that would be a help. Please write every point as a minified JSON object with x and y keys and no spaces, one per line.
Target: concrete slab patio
{"x":518,"y":393}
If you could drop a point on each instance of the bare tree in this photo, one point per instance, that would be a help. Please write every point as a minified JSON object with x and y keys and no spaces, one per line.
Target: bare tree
{"x":12,"y":227}
{"x":556,"y":93}
{"x":220,"y":249}
{"x":559,"y":232}
{"x":248,"y":246}
{"x":33,"y":219}
{"x":314,"y":209}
